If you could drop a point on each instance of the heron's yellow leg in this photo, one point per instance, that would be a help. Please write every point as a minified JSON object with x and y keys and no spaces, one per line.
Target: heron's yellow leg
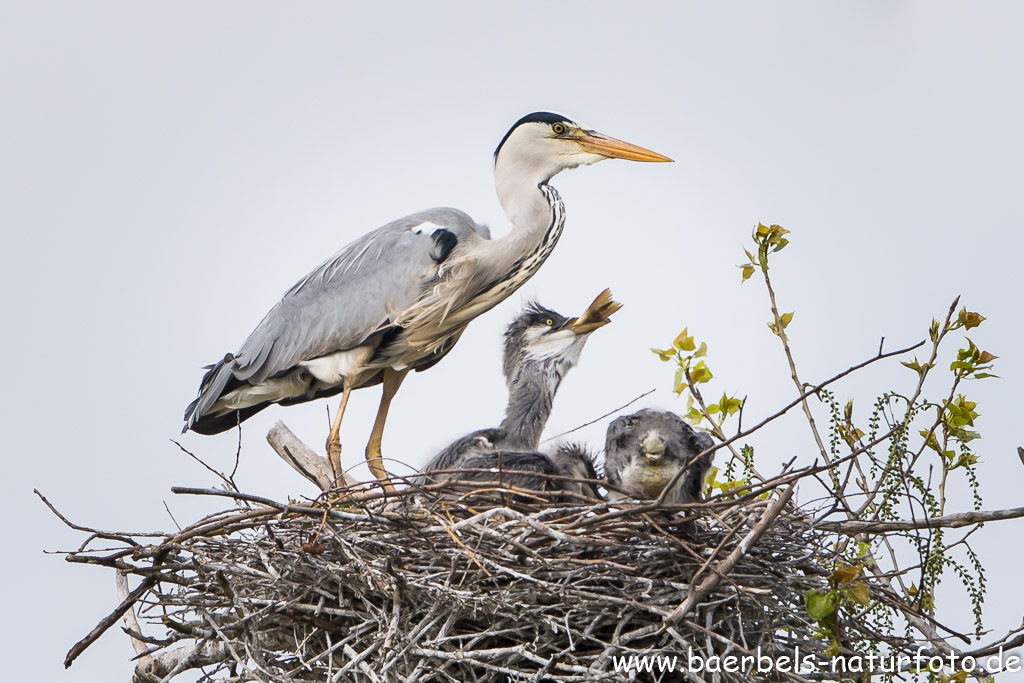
{"x":392,"y":380}
{"x":334,"y":438}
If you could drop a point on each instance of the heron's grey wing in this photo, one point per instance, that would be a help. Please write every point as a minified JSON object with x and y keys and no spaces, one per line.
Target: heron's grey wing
{"x":616,"y":454}
{"x":351,"y":296}
{"x":454,"y":454}
{"x":347,"y":299}
{"x":518,"y":469}
{"x":691,"y":485}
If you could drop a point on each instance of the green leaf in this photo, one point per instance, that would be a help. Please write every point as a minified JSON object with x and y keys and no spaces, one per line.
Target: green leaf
{"x":677,"y":383}
{"x":684,"y":342}
{"x":700,"y":373}
{"x":965,"y":461}
{"x":786,"y":318}
{"x":859,"y":593}
{"x":913,"y":365}
{"x":846,"y":573}
{"x":930,"y":440}
{"x":969,"y":319}
{"x":663,"y":355}
{"x":694,"y":417}
{"x":747,"y":270}
{"x":819,"y":605}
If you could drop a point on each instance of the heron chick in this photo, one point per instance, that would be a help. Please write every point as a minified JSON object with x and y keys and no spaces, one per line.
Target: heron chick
{"x":644,"y":452}
{"x":569,"y":470}
{"x":540,"y":348}
{"x":398,"y":298}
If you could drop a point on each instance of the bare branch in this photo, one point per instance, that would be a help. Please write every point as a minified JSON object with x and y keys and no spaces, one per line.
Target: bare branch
{"x":960,"y":519}
{"x":304,"y":459}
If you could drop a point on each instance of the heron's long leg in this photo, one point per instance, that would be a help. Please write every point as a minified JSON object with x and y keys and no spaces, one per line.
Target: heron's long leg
{"x":334,"y":438}
{"x":392,"y":380}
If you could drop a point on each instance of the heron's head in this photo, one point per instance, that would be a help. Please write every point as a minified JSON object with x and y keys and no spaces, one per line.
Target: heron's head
{"x":574,"y":460}
{"x":542,"y":144}
{"x":648,"y":449}
{"x":652,"y":438}
{"x":541,"y":339}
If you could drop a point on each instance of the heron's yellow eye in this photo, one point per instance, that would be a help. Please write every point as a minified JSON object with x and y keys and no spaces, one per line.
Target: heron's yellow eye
{"x":549,"y":322}
{"x":559,"y":129}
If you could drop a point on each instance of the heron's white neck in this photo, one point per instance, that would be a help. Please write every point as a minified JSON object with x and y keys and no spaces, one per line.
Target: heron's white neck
{"x":517,"y":179}
{"x":537,"y":217}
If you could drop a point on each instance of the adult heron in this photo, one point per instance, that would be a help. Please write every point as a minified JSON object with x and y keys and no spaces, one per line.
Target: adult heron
{"x":540,"y":348}
{"x":398,"y":298}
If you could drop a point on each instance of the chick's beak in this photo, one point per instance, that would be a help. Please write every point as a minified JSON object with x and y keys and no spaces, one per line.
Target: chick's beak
{"x":597,"y":143}
{"x":654,"y":447}
{"x":597,"y":314}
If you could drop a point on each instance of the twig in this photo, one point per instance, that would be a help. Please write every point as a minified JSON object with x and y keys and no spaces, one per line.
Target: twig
{"x":608,"y":414}
{"x":223,"y":477}
{"x":108,"y":621}
{"x":721,"y":569}
{"x":954,"y":521}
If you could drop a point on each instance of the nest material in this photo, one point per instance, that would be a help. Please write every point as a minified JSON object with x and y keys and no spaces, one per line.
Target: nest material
{"x":457,"y":591}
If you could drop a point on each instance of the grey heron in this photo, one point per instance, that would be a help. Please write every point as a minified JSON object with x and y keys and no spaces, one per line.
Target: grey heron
{"x":540,"y":347}
{"x":569,"y":470}
{"x":645,"y":450}
{"x":398,"y":298}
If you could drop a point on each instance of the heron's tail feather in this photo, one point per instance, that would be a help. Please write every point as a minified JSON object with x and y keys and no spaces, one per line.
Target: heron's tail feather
{"x":213,"y":386}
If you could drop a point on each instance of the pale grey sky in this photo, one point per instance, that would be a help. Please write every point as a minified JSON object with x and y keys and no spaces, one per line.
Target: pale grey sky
{"x":168,"y":170}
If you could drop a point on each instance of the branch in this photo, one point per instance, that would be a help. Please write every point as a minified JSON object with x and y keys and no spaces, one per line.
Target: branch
{"x":955,"y":521}
{"x":131,"y":623}
{"x":810,"y":392}
{"x":108,"y":621}
{"x":304,"y":459}
{"x":162,"y":666}
{"x":719,"y":571}
{"x":598,"y":419}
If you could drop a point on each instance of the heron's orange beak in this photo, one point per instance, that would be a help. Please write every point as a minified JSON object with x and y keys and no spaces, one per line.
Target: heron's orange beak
{"x":596,"y":143}
{"x":596,"y":315}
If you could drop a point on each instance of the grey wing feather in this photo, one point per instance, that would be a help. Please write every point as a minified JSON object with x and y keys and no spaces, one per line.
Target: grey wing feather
{"x":345,"y":301}
{"x":454,"y":453}
{"x":690,"y":488}
{"x":615,"y":459}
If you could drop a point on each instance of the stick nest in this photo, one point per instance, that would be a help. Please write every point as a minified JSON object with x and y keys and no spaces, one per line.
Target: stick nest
{"x":463,"y":590}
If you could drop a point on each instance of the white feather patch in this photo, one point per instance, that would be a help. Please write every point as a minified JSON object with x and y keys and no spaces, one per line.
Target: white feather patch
{"x":275,"y":389}
{"x":424,"y":228}
{"x":563,"y":343}
{"x":332,"y":369}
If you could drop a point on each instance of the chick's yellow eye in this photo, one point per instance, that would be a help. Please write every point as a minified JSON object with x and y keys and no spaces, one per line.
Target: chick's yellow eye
{"x":559,"y":128}
{"x":549,"y":322}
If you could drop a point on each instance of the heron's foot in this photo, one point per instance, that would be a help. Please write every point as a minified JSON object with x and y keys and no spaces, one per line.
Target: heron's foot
{"x":334,"y":455}
{"x":375,"y":462}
